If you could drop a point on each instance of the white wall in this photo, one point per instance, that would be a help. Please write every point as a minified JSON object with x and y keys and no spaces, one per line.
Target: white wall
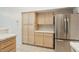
{"x":11,"y":18}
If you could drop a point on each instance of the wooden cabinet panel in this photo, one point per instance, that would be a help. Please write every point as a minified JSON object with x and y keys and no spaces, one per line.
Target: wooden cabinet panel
{"x":31,"y":30}
{"x":25,"y":29}
{"x":51,"y":20}
{"x":28,"y":27}
{"x":31,"y":34}
{"x":13,"y":50}
{"x":40,"y":18}
{"x":31,"y":18}
{"x":8,"y":44}
{"x":25,"y":17}
{"x":31,"y":40}
{"x":25,"y":34}
{"x":45,"y":18}
{"x":38,"y":39}
{"x":48,"y":18}
{"x":48,"y":40}
{"x":8,"y":48}
{"x":28,"y":18}
{"x":25,"y":39}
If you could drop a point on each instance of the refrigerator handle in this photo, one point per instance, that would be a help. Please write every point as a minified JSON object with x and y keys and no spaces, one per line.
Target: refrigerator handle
{"x":66,"y":20}
{"x":65,"y":23}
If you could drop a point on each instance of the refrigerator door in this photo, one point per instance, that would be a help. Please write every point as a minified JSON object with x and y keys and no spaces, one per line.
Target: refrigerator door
{"x":67,"y":29}
{"x":60,"y":26}
{"x":62,"y":46}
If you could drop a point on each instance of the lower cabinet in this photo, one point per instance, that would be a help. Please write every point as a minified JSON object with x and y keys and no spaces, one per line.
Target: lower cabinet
{"x":39,"y":39}
{"x":44,"y":39}
{"x":48,"y":40}
{"x":8,"y":45}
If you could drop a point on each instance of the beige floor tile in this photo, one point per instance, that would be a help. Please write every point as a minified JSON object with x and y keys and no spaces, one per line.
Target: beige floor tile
{"x":28,"y":48}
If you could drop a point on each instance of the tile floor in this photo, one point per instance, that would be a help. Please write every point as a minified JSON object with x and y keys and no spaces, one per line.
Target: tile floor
{"x":28,"y":48}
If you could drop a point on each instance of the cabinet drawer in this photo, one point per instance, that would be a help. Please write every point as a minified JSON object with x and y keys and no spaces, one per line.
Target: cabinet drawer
{"x":9,"y":48}
{"x":7,"y":42}
{"x":48,"y":34}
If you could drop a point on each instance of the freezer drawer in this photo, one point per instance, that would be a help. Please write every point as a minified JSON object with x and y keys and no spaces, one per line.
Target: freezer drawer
{"x":62,"y":46}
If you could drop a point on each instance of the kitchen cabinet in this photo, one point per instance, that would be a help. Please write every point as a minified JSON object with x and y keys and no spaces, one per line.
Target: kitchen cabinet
{"x":8,"y":45}
{"x":28,"y":22}
{"x":45,"y":18}
{"x":39,"y":39}
{"x":48,"y":18}
{"x":48,"y":40}
{"x":40,"y":18}
{"x":43,"y":21}
{"x":44,"y":39}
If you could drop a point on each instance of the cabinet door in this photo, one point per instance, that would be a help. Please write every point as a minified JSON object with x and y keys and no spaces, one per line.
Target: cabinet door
{"x":25,"y":34}
{"x":48,"y":18}
{"x":40,"y":18}
{"x":25,"y":17}
{"x":31,"y":34}
{"x":51,"y":20}
{"x":39,"y":39}
{"x":31,"y":18}
{"x":48,"y":40}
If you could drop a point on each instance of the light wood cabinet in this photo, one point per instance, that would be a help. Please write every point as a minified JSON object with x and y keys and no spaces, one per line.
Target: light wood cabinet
{"x":48,"y":18}
{"x":28,"y":22}
{"x":8,"y":45}
{"x":44,"y":39}
{"x":39,"y":39}
{"x":40,"y":18}
{"x":45,"y":18}
{"x":48,"y":40}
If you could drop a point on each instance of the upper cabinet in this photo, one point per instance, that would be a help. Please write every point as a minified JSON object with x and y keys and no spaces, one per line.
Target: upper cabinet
{"x":45,"y":18}
{"x":28,"y":18}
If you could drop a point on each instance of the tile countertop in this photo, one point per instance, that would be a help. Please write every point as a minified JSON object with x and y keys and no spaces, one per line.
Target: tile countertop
{"x":75,"y":46}
{"x":6,"y":36}
{"x":45,"y":31}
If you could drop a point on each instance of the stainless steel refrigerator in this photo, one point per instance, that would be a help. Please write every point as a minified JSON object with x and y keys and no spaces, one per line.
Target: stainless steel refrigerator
{"x":66,"y":30}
